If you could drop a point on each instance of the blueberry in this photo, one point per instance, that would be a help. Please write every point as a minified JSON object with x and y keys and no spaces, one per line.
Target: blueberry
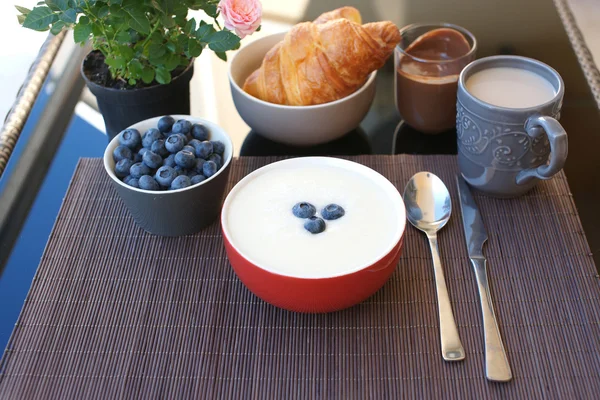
{"x":170,"y":161}
{"x":150,"y":137}
{"x":152,"y":159}
{"x":218,"y":147}
{"x":159,"y":148}
{"x":165,"y":123}
{"x":174,"y":143}
{"x":133,"y":182}
{"x":192,"y":173}
{"x":122,"y":167}
{"x":130,"y":138}
{"x":199,"y":168}
{"x":332,"y":211}
{"x":185,"y":159}
{"x":139,"y":169}
{"x":195,"y":144}
{"x":204,"y":149}
{"x":181,"y":182}
{"x":198,"y":178}
{"x":304,"y":210}
{"x":128,"y":178}
{"x":209,"y":169}
{"x":179,"y":170}
{"x":314,"y":225}
{"x":182,"y":126}
{"x":120,"y":152}
{"x":217,"y":159}
{"x":165,"y":175}
{"x":189,"y":148}
{"x":137,"y":157}
{"x":200,"y":132}
{"x":142,"y":151}
{"x":147,"y":182}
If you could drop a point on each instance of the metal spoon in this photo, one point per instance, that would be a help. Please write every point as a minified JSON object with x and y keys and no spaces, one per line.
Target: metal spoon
{"x":428,"y":208}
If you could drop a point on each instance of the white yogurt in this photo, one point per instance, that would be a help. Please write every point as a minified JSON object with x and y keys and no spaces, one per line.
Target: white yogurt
{"x":261,"y":225}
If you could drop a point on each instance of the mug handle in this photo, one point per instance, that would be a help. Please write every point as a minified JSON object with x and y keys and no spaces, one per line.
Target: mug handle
{"x":558,"y":148}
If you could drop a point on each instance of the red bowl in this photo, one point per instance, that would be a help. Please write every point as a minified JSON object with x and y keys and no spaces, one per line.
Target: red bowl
{"x":316,"y":295}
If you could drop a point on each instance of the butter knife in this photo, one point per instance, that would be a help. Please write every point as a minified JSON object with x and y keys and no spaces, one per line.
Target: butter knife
{"x":497,"y":367}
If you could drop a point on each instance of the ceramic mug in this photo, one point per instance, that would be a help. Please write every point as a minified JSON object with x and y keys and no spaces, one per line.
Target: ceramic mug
{"x":502,"y":151}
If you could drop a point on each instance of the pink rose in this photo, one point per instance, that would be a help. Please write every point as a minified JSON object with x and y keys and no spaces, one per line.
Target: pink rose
{"x":241,"y":16}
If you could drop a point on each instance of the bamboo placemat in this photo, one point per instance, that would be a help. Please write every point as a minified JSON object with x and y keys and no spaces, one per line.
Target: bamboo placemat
{"x":116,"y":313}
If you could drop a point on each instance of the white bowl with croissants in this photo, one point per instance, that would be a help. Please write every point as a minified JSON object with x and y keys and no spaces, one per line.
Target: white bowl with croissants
{"x":314,"y":83}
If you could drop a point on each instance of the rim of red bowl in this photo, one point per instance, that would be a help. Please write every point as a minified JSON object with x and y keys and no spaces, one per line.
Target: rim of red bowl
{"x":330,"y":161}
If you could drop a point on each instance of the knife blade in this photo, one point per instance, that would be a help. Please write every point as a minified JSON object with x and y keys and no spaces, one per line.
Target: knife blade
{"x":497,"y":367}
{"x":475,"y":232}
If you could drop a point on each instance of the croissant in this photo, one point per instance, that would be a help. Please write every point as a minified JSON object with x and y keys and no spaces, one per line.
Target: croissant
{"x":322,"y":61}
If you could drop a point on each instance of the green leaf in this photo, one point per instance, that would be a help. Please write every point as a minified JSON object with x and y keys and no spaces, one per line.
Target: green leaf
{"x":81,"y":33}
{"x":182,"y":41}
{"x":126,"y":52}
{"x":69,"y":16}
{"x":156,"y":50}
{"x":21,"y":19}
{"x":117,"y":2}
{"x":165,"y":6}
{"x":135,"y":67}
{"x":210,"y":9}
{"x":172,"y":62}
{"x":204,"y":32}
{"x":96,"y":31}
{"x":117,"y":62}
{"x":223,"y":40}
{"x":131,"y":82}
{"x":123,"y":37}
{"x":194,"y":48}
{"x":103,"y":12}
{"x":190,"y":27}
{"x":23,"y":10}
{"x":222,"y":55}
{"x":167,"y":21}
{"x":147,"y":75}
{"x":163,"y":76}
{"x":39,"y":18}
{"x":138,"y":21}
{"x":58,"y":5}
{"x":57,"y":27}
{"x":83,"y":20}
{"x":172,"y":47}
{"x":116,"y":12}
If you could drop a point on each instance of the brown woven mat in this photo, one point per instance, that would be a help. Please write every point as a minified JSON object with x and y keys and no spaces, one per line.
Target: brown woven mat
{"x":115,"y":312}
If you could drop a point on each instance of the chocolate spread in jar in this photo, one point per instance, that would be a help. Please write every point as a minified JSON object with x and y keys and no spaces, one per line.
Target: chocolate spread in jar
{"x":427,"y":79}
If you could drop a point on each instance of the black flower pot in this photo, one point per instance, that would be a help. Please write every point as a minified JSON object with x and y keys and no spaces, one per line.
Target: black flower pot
{"x":122,"y":108}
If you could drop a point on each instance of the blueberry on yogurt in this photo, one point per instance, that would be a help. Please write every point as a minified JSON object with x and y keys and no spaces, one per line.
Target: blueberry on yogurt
{"x":332,"y":211}
{"x":314,"y":225}
{"x":304,"y":210}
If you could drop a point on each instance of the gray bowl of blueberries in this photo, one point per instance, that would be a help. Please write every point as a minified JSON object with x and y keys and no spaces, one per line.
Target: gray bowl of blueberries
{"x":171,"y":172}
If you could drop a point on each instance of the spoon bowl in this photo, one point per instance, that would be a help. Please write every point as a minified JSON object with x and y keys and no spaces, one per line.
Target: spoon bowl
{"x":428,"y":208}
{"x":427,"y":201}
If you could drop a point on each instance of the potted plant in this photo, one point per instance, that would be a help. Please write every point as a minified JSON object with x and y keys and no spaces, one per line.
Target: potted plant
{"x":143,"y":50}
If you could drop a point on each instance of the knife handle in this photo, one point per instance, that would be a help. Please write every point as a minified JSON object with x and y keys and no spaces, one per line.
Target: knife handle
{"x":452,"y":348}
{"x":497,"y":367}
